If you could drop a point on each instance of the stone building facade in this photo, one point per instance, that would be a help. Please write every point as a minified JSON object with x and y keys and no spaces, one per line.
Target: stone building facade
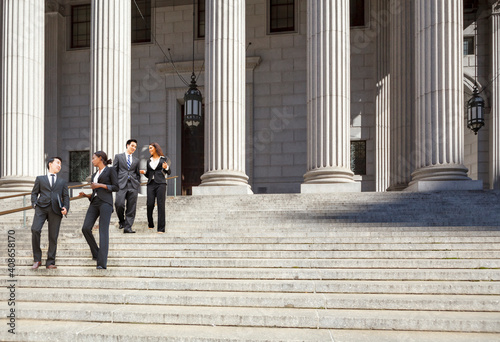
{"x":299,"y":95}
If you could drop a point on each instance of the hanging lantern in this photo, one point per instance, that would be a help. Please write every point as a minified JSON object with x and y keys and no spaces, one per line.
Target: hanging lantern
{"x":475,"y":112}
{"x":192,"y":104}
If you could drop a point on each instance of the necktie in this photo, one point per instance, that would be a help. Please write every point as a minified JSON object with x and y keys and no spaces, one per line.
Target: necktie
{"x":53,"y":180}
{"x":129,"y":162}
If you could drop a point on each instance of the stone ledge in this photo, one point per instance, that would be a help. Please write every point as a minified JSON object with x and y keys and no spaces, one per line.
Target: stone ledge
{"x":423,"y":186}
{"x":330,"y":188}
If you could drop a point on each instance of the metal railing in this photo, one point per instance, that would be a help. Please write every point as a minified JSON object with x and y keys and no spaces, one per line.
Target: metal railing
{"x":24,"y":194}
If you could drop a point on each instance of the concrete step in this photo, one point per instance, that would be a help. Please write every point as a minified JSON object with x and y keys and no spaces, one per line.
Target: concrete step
{"x":173,"y":238}
{"x":277,"y":232}
{"x":55,"y":280}
{"x":375,"y":246}
{"x":435,"y":209}
{"x":470,"y":303}
{"x":280,"y":263}
{"x":256,"y":254}
{"x":63,"y":331}
{"x":274,"y":273}
{"x":369,"y":266}
{"x":320,"y":318}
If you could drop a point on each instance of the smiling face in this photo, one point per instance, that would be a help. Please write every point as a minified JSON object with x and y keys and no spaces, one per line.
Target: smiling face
{"x":55,"y":166}
{"x":152,"y":149}
{"x":131,"y":147}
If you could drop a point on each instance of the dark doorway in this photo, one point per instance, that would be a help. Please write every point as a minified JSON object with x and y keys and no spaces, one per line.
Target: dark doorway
{"x":192,"y":165}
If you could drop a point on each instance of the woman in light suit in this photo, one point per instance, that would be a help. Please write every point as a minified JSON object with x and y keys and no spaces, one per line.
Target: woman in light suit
{"x":104,"y":183}
{"x":157,"y":168}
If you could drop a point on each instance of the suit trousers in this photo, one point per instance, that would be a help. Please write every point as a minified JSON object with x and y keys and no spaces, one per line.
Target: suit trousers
{"x":158,"y":192}
{"x":42,"y":215}
{"x":102,"y":210}
{"x":129,"y":194}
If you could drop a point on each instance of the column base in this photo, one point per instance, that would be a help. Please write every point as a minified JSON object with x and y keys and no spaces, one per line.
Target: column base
{"x":223,"y":183}
{"x":329,"y":175}
{"x":224,"y":178}
{"x":222,"y":190}
{"x":16,"y":184}
{"x":397,"y":187}
{"x":446,"y":172}
{"x":425,"y":186}
{"x":330,"y":188}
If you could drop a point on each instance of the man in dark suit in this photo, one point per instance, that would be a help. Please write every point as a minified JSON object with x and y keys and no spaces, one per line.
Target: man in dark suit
{"x":50,"y":199}
{"x":129,"y":179}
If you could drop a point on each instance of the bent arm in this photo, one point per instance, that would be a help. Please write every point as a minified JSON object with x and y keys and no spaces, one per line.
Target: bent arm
{"x":113,"y":187}
{"x":65,"y":196}
{"x":35,"y":191}
{"x":116,"y":163}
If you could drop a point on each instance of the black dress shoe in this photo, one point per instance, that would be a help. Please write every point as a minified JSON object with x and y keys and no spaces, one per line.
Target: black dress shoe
{"x":120,"y":226}
{"x":100,"y":268}
{"x":128,"y":231}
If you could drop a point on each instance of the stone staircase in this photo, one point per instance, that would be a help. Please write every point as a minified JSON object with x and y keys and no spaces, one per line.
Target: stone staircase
{"x":340,"y":267}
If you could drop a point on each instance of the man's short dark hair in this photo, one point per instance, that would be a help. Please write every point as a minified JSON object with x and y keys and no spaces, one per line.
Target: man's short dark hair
{"x":129,"y":141}
{"x":51,"y":160}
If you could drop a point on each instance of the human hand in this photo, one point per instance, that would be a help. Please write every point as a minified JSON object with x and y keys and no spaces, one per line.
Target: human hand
{"x":83,"y":194}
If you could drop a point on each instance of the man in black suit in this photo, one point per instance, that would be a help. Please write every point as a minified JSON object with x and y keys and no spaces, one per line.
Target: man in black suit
{"x":129,"y":179}
{"x":50,"y":199}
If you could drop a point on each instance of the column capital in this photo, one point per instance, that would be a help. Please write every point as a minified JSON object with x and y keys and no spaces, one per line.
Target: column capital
{"x":495,"y":8}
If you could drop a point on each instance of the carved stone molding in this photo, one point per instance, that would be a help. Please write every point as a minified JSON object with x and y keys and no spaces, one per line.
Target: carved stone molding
{"x":54,"y":6}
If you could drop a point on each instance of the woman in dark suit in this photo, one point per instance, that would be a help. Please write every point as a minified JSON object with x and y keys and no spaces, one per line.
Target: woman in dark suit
{"x":157,"y":168}
{"x":104,"y":183}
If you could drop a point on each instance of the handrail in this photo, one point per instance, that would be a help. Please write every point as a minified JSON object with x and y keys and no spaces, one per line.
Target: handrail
{"x":29,"y":193}
{"x":30,"y":207}
{"x":11,"y":211}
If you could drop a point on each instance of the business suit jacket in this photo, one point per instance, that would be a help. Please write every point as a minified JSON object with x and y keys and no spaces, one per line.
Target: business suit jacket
{"x":110,"y":178}
{"x":124,"y":173}
{"x":43,"y":195}
{"x":158,"y":174}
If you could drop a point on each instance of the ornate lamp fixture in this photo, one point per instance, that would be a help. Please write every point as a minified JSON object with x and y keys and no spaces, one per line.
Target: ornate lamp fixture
{"x":475,"y":105}
{"x":192,"y":97}
{"x":475,"y":112}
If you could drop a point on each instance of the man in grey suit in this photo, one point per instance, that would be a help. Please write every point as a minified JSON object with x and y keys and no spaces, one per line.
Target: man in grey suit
{"x":129,"y":179}
{"x":50,"y":199}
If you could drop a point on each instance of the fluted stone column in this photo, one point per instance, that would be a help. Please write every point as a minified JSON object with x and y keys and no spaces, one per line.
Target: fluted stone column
{"x":224,"y":100}
{"x":54,"y":21}
{"x":402,"y":72}
{"x":110,"y":70}
{"x":328,"y":98}
{"x":382,"y":20}
{"x":439,"y":98}
{"x":22,"y":106}
{"x":495,"y":101}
